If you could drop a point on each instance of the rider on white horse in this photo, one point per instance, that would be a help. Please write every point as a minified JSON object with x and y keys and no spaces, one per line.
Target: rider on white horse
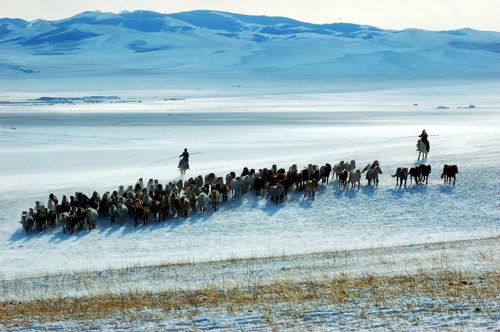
{"x":185,"y":158}
{"x":424,"y":139}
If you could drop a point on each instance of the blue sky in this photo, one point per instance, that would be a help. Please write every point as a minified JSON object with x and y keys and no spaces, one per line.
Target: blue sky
{"x":388,"y":14}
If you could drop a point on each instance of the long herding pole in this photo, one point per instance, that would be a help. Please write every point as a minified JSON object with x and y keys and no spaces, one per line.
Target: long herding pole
{"x":168,"y":159}
{"x":392,"y":139}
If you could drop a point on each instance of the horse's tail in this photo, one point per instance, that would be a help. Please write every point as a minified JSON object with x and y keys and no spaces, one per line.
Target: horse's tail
{"x":393,"y":175}
{"x":441,"y":176}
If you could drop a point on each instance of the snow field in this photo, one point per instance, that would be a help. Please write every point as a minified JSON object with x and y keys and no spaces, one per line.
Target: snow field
{"x":63,"y":149}
{"x":86,"y":159}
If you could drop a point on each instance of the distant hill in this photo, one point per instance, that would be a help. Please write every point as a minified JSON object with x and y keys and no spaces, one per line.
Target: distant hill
{"x":212,"y":42}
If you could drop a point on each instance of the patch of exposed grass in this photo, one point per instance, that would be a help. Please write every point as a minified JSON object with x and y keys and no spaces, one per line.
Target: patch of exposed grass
{"x":309,"y":293}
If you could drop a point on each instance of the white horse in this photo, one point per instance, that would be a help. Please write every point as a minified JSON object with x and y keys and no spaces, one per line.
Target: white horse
{"x":337,"y":168}
{"x":236,"y":186}
{"x":122,"y":212}
{"x":350,"y":166}
{"x":91,"y":217}
{"x":276,"y":192}
{"x":28,"y":221}
{"x":202,"y":202}
{"x":422,"y":149}
{"x":372,"y":174}
{"x":246,"y":183}
{"x":355,"y":176}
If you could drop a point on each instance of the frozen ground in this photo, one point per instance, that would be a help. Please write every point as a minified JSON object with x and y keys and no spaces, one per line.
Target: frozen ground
{"x":444,"y":286}
{"x":61,"y":149}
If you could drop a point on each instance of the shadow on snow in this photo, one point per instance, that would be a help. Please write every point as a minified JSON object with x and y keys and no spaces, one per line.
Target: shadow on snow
{"x":262,"y":201}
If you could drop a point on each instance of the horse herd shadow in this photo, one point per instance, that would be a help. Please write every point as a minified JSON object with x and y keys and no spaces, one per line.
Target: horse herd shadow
{"x":106,"y":228}
{"x":446,"y":189}
{"x":398,"y":192}
{"x":420,"y":162}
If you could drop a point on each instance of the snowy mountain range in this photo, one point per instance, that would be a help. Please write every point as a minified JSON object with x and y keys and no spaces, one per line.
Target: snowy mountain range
{"x":212,"y":42}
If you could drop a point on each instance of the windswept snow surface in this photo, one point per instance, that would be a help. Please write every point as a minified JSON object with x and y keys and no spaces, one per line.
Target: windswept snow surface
{"x":62,"y":149}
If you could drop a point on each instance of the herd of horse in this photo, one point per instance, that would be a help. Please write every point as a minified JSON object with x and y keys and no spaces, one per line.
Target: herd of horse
{"x":154,"y":202}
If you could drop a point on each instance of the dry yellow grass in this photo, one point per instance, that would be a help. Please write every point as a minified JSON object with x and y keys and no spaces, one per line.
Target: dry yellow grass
{"x":284,"y":299}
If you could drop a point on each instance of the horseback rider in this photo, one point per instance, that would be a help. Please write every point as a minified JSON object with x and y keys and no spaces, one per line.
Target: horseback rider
{"x":185,"y":158}
{"x":423,"y":136}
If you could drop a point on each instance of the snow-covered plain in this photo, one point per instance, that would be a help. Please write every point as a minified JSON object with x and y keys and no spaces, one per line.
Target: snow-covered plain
{"x":62,"y":149}
{"x":65,"y":148}
{"x":275,"y":92}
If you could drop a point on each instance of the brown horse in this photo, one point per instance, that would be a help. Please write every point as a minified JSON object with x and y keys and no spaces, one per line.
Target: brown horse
{"x":343,"y":178}
{"x":215,"y":196}
{"x":401,"y":174}
{"x":415,"y":173}
{"x":185,"y":204}
{"x":311,"y":186}
{"x":425,"y":170}
{"x":449,"y":171}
